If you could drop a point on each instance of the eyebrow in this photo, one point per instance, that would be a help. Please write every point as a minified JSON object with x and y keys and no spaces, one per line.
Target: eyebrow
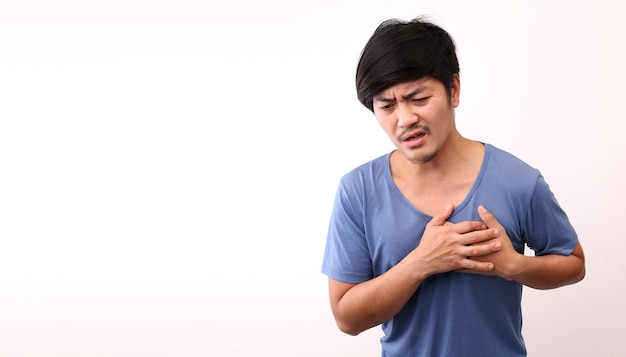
{"x":411,"y":94}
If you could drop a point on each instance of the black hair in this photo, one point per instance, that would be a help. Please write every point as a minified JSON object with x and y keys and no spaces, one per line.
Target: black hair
{"x":401,"y":51}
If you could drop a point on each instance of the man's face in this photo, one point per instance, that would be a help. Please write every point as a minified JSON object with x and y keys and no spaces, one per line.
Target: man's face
{"x":418,"y":116}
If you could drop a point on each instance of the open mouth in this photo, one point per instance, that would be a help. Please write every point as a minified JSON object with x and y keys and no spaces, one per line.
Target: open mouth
{"x":414,"y":136}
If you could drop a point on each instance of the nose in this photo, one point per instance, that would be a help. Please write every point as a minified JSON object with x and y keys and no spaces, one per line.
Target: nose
{"x":406,"y":116}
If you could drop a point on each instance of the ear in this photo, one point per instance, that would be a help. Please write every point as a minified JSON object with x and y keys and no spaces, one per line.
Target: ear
{"x":455,"y":91}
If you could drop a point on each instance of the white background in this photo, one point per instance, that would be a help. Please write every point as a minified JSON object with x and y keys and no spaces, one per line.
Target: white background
{"x":167,"y":168}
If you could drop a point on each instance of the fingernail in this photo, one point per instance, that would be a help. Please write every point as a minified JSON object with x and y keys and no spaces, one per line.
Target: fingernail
{"x":496,"y":232}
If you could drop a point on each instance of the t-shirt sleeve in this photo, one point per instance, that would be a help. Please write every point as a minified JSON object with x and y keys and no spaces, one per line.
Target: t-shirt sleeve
{"x":550,"y":231}
{"x":346,"y":256}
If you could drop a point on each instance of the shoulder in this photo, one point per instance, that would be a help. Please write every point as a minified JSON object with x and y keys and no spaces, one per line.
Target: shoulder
{"x":508,"y":164}
{"x":362,"y":183}
{"x":508,"y":175}
{"x":367,"y":173}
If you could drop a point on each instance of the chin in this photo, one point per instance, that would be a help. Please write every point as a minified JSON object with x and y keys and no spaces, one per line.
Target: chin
{"x":420,"y":159}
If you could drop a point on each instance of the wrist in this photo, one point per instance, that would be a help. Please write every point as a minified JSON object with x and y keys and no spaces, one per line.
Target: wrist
{"x":514,"y":269}
{"x":416,"y":269}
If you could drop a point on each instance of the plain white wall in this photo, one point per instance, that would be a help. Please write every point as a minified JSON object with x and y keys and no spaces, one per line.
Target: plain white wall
{"x":168,"y":167}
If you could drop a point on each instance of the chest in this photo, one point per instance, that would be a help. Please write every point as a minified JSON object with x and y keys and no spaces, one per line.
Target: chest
{"x":393,"y":224}
{"x":430,"y":197}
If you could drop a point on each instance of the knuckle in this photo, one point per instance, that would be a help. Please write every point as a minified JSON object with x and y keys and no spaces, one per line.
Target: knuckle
{"x":473,"y":238}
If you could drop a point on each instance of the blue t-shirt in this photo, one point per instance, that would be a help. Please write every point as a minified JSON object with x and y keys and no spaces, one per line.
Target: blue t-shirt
{"x":373,"y":226}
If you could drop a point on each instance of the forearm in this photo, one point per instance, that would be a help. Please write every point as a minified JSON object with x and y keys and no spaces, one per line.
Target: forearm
{"x":373,"y":302}
{"x":550,"y":271}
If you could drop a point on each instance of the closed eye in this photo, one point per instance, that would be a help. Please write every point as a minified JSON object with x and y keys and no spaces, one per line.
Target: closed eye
{"x":420,"y":100}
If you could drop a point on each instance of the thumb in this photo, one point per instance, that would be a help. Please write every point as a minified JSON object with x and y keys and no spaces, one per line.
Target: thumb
{"x":487,"y":217}
{"x":440,"y":218}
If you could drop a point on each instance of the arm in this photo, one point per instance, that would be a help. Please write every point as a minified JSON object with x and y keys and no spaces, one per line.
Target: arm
{"x":552,"y":270}
{"x":444,"y":247}
{"x":539,"y":272}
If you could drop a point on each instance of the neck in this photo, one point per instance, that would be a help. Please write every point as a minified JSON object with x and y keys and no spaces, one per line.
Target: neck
{"x":458,"y":153}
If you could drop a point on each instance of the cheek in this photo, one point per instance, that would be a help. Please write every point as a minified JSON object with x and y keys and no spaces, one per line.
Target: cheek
{"x":440,"y":116}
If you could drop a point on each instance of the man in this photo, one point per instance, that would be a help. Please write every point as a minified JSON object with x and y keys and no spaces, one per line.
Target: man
{"x":428,"y":240}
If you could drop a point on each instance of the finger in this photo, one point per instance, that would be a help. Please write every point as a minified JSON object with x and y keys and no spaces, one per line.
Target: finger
{"x":440,"y":218}
{"x":468,"y":226}
{"x":472,"y":266}
{"x":482,"y":249}
{"x":479,"y":237}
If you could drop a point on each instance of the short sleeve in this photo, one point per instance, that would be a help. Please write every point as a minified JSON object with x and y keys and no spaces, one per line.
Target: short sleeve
{"x":549,"y":228}
{"x":346,"y":255}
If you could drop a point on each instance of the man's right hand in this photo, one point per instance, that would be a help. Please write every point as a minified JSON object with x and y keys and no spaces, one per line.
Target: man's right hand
{"x":449,"y":246}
